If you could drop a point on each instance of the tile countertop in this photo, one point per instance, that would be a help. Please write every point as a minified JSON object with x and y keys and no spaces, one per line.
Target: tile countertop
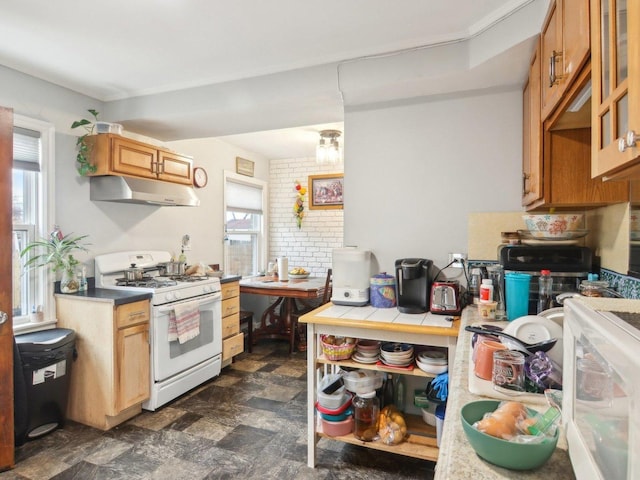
{"x":456,"y":458}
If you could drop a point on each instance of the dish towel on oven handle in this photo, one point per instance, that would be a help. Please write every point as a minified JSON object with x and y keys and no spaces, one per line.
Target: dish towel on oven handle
{"x":184,"y":322}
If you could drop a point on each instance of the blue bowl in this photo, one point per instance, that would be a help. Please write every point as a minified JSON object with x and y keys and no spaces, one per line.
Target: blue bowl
{"x":337,"y":418}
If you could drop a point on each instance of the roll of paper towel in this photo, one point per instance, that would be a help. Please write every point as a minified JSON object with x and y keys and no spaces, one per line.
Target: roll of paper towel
{"x":283,"y":269}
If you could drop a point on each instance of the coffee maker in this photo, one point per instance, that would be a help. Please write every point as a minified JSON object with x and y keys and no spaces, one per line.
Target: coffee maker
{"x":413,"y":284}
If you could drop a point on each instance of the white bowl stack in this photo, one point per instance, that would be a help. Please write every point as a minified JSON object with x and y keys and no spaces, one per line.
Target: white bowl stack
{"x":396,"y":354}
{"x":367,"y":351}
{"x":432,"y":361}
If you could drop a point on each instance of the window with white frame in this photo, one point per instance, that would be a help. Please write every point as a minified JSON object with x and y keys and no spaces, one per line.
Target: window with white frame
{"x":245,"y":241}
{"x":32,"y":214}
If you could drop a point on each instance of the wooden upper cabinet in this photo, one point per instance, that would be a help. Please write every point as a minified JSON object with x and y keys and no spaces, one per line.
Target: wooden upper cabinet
{"x":132,"y":158}
{"x":116,"y":155}
{"x":565,"y":49}
{"x":173,"y":167}
{"x":615,"y":121}
{"x":562,"y":157}
{"x":532,"y":134}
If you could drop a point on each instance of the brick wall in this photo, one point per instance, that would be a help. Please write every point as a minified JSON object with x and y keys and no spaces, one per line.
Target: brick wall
{"x":322,"y":230}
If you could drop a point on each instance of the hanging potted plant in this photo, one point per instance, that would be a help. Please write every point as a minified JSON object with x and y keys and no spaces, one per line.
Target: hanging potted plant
{"x":84,"y":165}
{"x":56,"y":252}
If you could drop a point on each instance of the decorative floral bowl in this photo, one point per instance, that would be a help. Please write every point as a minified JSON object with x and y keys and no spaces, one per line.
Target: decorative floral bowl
{"x":554,"y":225}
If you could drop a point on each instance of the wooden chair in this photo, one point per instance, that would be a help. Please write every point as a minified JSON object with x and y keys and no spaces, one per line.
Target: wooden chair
{"x":246,"y":316}
{"x":307,"y":306}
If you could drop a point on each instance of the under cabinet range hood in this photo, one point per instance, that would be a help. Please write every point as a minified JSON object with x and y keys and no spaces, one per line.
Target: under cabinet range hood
{"x":122,"y":189}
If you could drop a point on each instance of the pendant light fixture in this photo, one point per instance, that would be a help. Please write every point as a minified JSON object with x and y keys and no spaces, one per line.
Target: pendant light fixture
{"x":328,"y":151}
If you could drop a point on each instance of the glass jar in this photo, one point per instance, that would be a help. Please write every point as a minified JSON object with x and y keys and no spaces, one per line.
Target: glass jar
{"x":69,"y":282}
{"x":592,"y":287}
{"x":366,"y":410}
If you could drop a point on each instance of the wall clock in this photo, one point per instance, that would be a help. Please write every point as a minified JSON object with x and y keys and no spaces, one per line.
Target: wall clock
{"x":200,"y":177}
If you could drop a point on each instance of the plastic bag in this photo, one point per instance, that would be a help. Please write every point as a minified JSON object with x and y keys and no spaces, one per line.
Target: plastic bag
{"x":392,"y":426}
{"x":513,"y":421}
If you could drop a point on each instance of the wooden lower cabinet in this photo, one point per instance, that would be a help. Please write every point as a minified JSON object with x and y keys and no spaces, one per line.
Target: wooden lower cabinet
{"x":232,"y":337}
{"x":110,"y":378}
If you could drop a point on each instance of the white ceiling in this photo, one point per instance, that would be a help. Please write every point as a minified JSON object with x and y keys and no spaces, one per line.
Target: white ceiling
{"x":116,"y":50}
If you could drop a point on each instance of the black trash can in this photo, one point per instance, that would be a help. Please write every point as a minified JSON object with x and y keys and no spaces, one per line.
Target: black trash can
{"x":45,"y":359}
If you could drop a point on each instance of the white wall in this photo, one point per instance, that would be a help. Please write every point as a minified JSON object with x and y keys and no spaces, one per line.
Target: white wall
{"x":322,"y":230}
{"x":415,"y":170}
{"x":112,"y":226}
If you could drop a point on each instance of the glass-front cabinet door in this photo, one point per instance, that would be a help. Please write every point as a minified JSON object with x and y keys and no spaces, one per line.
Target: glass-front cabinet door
{"x":615,"y":57}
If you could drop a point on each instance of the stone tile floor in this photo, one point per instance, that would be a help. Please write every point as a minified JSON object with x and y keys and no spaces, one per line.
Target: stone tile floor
{"x":248,"y":423}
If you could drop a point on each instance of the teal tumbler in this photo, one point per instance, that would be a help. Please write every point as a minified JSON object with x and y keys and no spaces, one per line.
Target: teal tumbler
{"x":517,"y":294}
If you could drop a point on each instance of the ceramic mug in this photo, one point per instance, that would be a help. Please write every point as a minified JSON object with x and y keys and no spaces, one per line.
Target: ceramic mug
{"x":483,"y":366}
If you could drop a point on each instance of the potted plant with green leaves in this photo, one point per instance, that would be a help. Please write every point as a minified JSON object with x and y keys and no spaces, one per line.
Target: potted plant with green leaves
{"x":56,"y":252}
{"x":84,"y":150}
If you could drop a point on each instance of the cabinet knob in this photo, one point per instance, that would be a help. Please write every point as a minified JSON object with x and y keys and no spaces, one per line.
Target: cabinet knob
{"x":628,"y":141}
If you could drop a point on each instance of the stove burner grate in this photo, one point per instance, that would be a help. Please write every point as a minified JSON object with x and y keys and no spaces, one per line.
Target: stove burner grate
{"x":188,"y":278}
{"x":146,"y":282}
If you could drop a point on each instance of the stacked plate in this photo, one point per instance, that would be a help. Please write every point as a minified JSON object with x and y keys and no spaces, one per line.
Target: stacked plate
{"x":367,"y":351}
{"x":396,"y":354}
{"x":432,"y":361}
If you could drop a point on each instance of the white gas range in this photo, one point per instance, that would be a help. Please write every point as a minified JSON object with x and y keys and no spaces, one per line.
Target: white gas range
{"x":176,"y":367}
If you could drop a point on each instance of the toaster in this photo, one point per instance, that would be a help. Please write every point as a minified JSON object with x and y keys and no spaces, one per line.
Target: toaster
{"x":445,"y":298}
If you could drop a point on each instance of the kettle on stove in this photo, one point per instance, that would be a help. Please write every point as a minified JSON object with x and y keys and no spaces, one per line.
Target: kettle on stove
{"x":445,"y":298}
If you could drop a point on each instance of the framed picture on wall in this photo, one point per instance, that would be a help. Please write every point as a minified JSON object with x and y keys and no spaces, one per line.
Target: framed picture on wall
{"x":326,"y":191}
{"x":244,"y":166}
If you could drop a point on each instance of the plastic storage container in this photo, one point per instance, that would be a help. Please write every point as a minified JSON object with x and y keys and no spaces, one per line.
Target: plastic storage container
{"x":592,"y":287}
{"x":383,"y":291}
{"x":336,"y":429}
{"x":107,"y":127}
{"x":333,"y":399}
{"x":363,"y":381}
{"x":45,"y":359}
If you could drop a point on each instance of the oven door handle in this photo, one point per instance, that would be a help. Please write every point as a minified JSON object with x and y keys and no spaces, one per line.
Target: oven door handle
{"x":212,"y":298}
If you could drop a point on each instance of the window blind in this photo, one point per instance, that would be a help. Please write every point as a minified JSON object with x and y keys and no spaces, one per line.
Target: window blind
{"x":26,"y":149}
{"x":245,"y":198}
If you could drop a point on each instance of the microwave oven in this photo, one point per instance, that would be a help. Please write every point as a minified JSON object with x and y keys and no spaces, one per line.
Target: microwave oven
{"x":601,"y":387}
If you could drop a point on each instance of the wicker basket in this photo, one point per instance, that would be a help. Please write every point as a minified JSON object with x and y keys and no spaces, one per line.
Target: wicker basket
{"x":337,"y":352}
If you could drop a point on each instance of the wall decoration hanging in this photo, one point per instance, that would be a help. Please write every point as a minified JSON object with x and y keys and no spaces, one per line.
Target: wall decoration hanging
{"x":298,"y":206}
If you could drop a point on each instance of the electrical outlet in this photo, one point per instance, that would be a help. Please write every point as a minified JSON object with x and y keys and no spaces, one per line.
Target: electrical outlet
{"x":458,"y":259}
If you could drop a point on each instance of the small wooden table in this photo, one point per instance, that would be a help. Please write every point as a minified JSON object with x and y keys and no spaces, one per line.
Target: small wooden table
{"x":276,"y":321}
